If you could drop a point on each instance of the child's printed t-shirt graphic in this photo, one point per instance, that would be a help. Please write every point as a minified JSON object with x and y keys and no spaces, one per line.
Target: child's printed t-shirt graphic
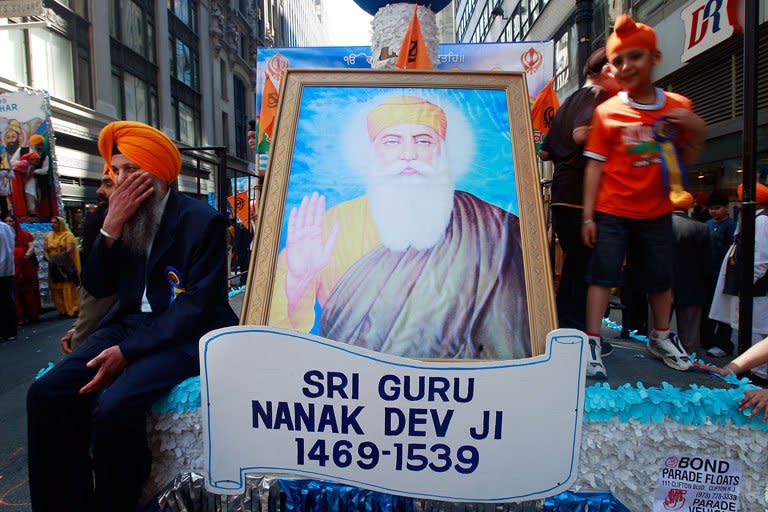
{"x":622,"y":137}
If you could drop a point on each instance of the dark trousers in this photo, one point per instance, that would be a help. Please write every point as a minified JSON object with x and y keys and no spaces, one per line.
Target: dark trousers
{"x":571,"y":297}
{"x":714,"y":333}
{"x":65,"y":428}
{"x":7,"y":306}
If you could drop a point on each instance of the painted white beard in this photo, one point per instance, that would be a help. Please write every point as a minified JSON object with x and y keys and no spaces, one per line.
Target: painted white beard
{"x":410,"y":210}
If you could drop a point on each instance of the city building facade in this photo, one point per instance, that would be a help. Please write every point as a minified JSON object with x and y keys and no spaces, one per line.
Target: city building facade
{"x":701,"y":58}
{"x":186,"y":67}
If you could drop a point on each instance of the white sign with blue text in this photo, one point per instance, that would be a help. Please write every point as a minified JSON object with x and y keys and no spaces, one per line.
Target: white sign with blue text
{"x":279,"y":402}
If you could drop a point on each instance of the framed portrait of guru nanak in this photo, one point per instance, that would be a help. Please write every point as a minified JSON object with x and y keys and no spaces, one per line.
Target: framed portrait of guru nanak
{"x":402,"y":213}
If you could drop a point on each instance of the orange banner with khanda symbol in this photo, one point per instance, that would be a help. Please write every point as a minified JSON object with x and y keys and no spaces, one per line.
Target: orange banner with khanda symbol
{"x":240,"y":205}
{"x":542,"y":113}
{"x":276,"y":66}
{"x":413,"y":53}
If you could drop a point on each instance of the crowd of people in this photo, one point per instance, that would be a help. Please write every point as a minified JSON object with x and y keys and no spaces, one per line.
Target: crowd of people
{"x":621,"y":224}
{"x":153,"y":273}
{"x":61,"y":250}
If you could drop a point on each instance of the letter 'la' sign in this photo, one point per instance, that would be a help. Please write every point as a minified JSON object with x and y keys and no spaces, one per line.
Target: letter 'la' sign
{"x":278,"y":402}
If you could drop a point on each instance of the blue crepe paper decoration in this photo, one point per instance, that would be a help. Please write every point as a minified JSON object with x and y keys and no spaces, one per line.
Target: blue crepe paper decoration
{"x":317,"y":496}
{"x":584,"y":501}
{"x":45,"y":370}
{"x":236,"y":291}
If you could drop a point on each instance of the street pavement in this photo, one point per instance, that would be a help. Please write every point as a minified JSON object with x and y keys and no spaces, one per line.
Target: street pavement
{"x":38,"y":344}
{"x":35,"y":346}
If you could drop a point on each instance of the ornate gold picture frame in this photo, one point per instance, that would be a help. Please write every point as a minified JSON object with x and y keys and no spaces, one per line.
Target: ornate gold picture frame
{"x":402,"y":212}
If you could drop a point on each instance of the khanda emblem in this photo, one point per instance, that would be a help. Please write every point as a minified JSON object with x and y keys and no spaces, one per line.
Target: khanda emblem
{"x":176,"y":282}
{"x":549,"y":114}
{"x":531,"y":60}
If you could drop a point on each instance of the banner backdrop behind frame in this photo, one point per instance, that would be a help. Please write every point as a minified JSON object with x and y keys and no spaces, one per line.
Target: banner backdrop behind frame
{"x":534,"y":58}
{"x":521,"y":183}
{"x":482,"y":436}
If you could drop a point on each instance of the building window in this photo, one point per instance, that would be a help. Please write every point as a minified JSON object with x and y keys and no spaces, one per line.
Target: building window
{"x":225,"y":129}
{"x":562,"y":61}
{"x":80,"y":7}
{"x":13,"y":45}
{"x":185,"y":67}
{"x":133,"y":28}
{"x":565,"y":52}
{"x":56,"y":58}
{"x":186,"y":11}
{"x":136,"y":106}
{"x":117,"y":92}
{"x":223,"y":79}
{"x":52,"y":63}
{"x":241,"y":142}
{"x":187,"y":124}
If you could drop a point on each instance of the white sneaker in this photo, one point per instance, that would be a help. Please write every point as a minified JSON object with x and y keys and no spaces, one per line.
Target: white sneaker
{"x":595,"y":366}
{"x":670,"y":351}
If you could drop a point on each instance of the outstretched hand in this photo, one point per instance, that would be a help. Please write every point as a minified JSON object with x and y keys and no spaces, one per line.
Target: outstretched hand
{"x":758,"y":401}
{"x":307,"y":253}
{"x":110,"y":363}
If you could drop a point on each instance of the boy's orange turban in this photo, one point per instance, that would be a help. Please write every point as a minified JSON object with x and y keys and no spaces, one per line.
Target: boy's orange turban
{"x":629,"y":34}
{"x":761,"y":195}
{"x":142,"y":144}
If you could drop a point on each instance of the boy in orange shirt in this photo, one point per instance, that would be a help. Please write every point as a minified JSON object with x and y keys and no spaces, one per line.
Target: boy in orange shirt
{"x":626,"y":201}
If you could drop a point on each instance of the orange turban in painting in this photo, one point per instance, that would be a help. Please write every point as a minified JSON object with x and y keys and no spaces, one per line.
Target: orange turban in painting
{"x":406,"y":110}
{"x":682,"y":200}
{"x":36,"y":139}
{"x":627,"y":33}
{"x":143,"y":145}
{"x":761,"y":195}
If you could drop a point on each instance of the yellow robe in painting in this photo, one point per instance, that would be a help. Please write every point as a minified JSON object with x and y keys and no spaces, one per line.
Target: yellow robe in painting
{"x":464,"y":297}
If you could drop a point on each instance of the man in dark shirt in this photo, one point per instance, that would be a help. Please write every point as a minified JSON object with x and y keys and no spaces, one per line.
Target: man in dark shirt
{"x":564,"y":146}
{"x":716,"y":336}
{"x":692,"y":272}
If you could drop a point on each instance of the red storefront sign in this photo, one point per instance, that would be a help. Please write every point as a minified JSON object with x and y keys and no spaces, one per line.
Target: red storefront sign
{"x":709,"y":23}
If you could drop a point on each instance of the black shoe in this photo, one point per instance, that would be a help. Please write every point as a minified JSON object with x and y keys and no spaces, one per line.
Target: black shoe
{"x":606,"y":349}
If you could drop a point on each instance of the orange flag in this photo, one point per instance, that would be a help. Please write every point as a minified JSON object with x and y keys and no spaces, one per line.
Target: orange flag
{"x":542,"y":112}
{"x":239,"y":204}
{"x":413,"y":53}
{"x":268,"y":108}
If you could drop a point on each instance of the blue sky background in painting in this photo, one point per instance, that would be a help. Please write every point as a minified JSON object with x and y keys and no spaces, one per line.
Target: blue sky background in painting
{"x":331,"y":136}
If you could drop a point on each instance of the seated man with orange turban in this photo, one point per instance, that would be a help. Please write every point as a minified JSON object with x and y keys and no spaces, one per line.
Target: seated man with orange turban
{"x":414,"y":267}
{"x":164,"y":255}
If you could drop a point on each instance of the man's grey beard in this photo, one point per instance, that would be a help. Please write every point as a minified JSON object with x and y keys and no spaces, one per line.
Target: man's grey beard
{"x":141,"y":229}
{"x":411,"y":210}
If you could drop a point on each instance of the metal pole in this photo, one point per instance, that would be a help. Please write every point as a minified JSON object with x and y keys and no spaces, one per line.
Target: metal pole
{"x":747,"y":237}
{"x":584,"y":35}
{"x":221,"y":181}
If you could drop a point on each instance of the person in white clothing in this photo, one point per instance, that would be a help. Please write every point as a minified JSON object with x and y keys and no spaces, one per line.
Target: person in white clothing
{"x":725,"y":303}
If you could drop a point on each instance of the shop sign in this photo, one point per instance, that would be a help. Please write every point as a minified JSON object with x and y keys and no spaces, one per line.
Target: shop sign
{"x":694,"y":483}
{"x":18,"y":8}
{"x":277,"y":402}
{"x":708,"y":23}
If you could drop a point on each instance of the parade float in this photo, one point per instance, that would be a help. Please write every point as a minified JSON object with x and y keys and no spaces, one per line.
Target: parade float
{"x":285,"y":418}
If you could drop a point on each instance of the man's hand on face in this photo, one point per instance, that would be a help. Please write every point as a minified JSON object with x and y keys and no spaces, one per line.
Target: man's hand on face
{"x":305,"y":250}
{"x":110,"y":363}
{"x":128,"y":195}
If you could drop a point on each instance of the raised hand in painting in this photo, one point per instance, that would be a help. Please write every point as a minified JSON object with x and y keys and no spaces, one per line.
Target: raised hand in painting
{"x":307,"y":251}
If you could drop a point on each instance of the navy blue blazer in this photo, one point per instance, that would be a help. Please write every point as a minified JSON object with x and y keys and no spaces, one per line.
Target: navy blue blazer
{"x":190,"y":243}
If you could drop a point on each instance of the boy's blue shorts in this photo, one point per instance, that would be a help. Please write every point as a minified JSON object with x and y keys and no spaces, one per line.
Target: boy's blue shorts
{"x":648,"y":245}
